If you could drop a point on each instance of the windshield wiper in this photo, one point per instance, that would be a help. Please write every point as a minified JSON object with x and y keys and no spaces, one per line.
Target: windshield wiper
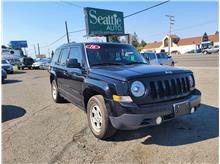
{"x":103,"y":64}
{"x":137,"y":62}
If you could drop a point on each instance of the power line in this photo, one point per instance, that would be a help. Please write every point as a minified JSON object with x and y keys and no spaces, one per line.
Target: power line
{"x":184,"y":28}
{"x":77,"y":31}
{"x":71,"y":3}
{"x":196,"y":25}
{"x":60,"y":38}
{"x":146,"y":9}
{"x":54,"y":41}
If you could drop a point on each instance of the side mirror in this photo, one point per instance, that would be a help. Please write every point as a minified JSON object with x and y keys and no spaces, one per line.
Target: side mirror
{"x":73,"y":63}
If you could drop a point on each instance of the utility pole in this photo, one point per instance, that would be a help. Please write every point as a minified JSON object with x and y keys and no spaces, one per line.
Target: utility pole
{"x":38,"y":48}
{"x":171,"y":23}
{"x":35,"y":52}
{"x":67,"y":33}
{"x":48,"y":52}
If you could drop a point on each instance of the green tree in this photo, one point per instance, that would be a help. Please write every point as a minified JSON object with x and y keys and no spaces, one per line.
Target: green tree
{"x":134,"y":40}
{"x":114,"y":38}
{"x":143,"y":43}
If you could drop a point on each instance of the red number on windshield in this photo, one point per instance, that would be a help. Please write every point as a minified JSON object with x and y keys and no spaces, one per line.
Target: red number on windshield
{"x":92,"y":46}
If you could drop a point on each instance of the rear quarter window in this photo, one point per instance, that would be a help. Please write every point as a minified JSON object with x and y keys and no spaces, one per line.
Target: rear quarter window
{"x":56,"y":56}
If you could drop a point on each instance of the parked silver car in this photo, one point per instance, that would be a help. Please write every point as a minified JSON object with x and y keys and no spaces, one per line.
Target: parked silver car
{"x":40,"y":63}
{"x":46,"y":64}
{"x":210,"y":50}
{"x":158,"y":58}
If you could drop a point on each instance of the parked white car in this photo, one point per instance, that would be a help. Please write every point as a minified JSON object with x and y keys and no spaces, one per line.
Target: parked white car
{"x":158,"y":58}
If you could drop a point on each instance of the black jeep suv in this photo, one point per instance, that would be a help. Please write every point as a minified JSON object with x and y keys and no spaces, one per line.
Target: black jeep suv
{"x":26,"y":62}
{"x":117,"y":88}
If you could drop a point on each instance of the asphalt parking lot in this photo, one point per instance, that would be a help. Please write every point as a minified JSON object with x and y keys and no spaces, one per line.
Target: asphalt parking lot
{"x":36,"y":130}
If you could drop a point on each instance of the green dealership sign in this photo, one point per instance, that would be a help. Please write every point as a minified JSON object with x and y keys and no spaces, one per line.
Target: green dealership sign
{"x":101,"y":22}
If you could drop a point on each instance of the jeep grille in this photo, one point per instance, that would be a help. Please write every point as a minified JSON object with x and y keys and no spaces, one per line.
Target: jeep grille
{"x":174,"y":87}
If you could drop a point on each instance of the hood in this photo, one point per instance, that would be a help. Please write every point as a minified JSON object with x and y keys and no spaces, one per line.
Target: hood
{"x":38,"y":62}
{"x":127,"y":72}
{"x":6,"y":65}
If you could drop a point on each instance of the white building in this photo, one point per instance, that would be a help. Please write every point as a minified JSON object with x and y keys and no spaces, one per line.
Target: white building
{"x":12,"y":55}
{"x":178,"y":45}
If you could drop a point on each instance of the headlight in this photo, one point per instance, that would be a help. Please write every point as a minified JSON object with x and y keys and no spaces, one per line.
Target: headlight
{"x":137,"y":88}
{"x":191,"y":81}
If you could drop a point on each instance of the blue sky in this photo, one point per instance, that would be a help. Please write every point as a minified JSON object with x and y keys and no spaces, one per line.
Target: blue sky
{"x":43,"y":22}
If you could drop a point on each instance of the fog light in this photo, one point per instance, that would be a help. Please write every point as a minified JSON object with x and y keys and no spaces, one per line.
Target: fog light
{"x":158,"y":120}
{"x":192,"y":110}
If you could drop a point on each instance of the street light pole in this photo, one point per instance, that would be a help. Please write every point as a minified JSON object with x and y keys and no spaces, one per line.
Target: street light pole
{"x":171,"y":22}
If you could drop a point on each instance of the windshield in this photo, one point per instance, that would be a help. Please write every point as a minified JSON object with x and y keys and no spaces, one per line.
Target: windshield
{"x":28,"y":59}
{"x":4,"y":62}
{"x":150,"y":56}
{"x":113,"y":54}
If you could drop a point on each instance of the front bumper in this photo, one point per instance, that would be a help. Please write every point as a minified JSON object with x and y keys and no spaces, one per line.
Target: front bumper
{"x":9,"y":69}
{"x":146,"y":115}
{"x":4,"y":76}
{"x":35,"y":66}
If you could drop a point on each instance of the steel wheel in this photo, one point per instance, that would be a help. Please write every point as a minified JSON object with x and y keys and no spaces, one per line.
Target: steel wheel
{"x":54,"y":91}
{"x":96,"y":118}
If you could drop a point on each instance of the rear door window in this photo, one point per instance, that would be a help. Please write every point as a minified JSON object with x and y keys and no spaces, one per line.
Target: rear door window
{"x":63,"y":56}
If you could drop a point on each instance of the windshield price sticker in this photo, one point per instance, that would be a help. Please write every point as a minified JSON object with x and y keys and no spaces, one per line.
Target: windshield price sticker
{"x":92,"y":46}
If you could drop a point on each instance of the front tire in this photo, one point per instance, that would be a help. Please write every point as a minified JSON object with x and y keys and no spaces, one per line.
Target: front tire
{"x":98,"y":118}
{"x":55,"y":93}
